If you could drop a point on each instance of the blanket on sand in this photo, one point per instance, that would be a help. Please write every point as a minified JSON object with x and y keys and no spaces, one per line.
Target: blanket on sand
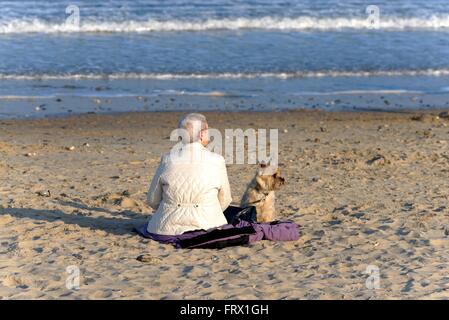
{"x":240,"y":230}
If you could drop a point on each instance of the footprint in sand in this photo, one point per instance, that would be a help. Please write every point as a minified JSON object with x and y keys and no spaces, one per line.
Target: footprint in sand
{"x":14,"y":281}
{"x":102,"y":294}
{"x":119,"y":199}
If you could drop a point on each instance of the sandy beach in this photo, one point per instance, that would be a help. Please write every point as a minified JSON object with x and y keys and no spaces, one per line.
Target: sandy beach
{"x":368,"y":189}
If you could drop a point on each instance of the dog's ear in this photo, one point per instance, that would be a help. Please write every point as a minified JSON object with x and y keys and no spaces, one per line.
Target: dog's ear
{"x":265,"y":163}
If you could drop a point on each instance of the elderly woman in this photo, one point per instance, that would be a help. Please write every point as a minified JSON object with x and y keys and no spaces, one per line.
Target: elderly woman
{"x":190,"y":189}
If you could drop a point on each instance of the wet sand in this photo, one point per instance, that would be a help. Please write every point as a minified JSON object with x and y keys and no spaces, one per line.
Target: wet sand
{"x":369,"y":189}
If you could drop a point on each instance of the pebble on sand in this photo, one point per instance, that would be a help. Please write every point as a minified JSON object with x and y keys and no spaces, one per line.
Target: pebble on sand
{"x":31,"y":154}
{"x":444,"y":115}
{"x":147,"y":258}
{"x":44,"y":193}
{"x":378,"y":159}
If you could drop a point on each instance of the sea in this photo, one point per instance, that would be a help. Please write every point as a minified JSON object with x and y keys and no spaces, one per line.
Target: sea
{"x":66,"y":57}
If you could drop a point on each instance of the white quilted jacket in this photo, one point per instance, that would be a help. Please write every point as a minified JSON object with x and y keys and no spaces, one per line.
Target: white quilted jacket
{"x":189,"y":191}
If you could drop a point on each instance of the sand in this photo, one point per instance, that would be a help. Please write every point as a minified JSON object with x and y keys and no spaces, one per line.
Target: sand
{"x":368,"y":189}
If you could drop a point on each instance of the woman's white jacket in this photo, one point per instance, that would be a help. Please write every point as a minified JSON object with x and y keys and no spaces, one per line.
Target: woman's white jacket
{"x":189,"y":191}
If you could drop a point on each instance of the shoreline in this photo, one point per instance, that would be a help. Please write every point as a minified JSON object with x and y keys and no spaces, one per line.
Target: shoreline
{"x":40,"y":99}
{"x":406,"y":111}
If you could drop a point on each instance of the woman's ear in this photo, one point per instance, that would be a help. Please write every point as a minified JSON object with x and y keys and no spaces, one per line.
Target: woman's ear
{"x":204,"y":136}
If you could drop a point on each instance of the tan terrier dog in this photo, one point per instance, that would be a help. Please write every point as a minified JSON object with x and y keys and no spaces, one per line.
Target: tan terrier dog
{"x":260,"y":192}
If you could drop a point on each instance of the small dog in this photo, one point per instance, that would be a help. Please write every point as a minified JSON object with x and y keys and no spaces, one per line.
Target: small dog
{"x":260,"y":192}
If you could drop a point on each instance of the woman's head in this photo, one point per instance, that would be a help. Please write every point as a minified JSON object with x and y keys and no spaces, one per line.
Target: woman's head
{"x":196,"y":127}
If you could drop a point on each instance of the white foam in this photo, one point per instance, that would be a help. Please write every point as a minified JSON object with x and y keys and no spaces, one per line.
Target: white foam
{"x":15,"y":97}
{"x":271,"y":23}
{"x":357,"y":92}
{"x":227,"y":75}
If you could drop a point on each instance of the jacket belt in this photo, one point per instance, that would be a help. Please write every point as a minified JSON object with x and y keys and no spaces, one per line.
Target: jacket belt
{"x":181,"y":204}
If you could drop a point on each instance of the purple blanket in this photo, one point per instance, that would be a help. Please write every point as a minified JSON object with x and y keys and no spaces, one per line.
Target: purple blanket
{"x":239,"y":233}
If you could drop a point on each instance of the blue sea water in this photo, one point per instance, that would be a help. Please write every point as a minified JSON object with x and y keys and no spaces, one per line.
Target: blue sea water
{"x":264,"y":50}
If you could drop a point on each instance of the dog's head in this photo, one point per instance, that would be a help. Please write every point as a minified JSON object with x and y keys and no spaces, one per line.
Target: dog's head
{"x":269,"y":178}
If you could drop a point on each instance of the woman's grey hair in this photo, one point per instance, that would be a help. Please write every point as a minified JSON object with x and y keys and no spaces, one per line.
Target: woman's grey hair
{"x":193,"y":123}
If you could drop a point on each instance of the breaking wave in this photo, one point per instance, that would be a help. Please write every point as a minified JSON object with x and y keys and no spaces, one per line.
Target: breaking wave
{"x":242,"y":75}
{"x":18,"y":26}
